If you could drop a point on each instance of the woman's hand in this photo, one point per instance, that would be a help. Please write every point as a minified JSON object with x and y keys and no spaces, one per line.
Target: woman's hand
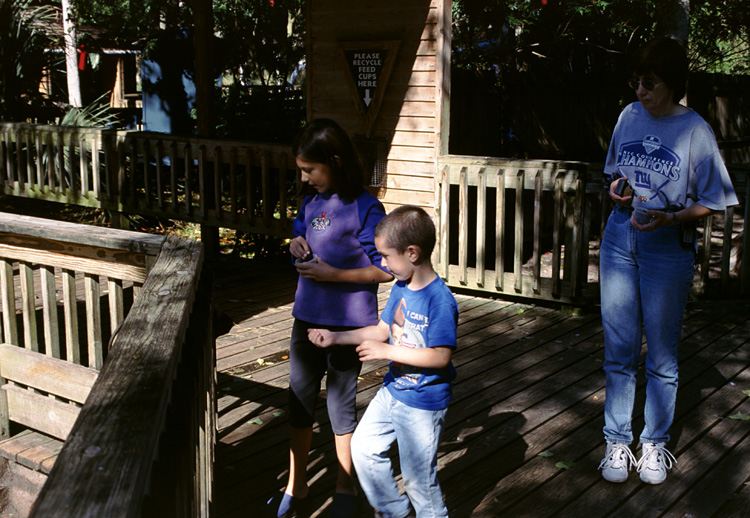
{"x":620,"y":200}
{"x":658,"y":219}
{"x":299,"y":248}
{"x":317,"y":270}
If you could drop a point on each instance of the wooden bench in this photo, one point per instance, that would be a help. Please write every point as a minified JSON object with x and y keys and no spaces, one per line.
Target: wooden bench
{"x":44,"y":396}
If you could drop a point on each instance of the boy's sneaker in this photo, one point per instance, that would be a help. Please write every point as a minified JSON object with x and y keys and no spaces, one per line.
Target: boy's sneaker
{"x":617,"y":462}
{"x":655,"y":461}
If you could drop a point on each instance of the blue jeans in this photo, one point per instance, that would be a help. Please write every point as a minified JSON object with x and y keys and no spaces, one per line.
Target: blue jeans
{"x":417,"y":433}
{"x":645,"y":282}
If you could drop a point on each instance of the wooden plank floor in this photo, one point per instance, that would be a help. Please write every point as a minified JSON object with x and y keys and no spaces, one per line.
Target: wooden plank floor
{"x":530,"y":382}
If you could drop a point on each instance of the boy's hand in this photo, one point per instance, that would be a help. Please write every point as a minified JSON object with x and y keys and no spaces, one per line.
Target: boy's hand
{"x":321,"y":337}
{"x":373,"y":350}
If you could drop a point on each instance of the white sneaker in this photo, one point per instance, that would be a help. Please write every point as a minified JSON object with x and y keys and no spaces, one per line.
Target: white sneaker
{"x":655,"y":461}
{"x":617,"y":462}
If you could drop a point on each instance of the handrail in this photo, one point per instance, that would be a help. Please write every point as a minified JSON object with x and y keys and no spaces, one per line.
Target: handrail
{"x":498,"y":218}
{"x":143,"y":442}
{"x":105,"y":467}
{"x":247,"y":186}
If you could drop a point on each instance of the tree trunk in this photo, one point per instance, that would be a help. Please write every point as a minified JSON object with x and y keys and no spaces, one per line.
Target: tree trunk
{"x":71,"y":56}
{"x":674,"y":20}
{"x":204,"y":85}
{"x":204,"y":66}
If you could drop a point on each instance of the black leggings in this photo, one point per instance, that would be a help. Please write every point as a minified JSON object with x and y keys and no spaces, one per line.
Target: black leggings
{"x":307,"y":366}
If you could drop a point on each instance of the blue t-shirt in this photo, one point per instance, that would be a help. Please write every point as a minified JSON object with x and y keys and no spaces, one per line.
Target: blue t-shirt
{"x":422,"y":318}
{"x":669,"y":161}
{"x":341,"y":233}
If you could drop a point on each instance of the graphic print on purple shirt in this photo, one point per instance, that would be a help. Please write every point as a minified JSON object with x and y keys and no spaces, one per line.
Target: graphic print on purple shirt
{"x":342,"y":234}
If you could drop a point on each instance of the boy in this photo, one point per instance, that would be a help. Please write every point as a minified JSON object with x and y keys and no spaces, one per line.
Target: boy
{"x":417,"y":333}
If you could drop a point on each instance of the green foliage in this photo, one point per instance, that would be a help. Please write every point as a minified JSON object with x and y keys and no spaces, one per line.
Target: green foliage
{"x":259,"y":41}
{"x":126,"y":22}
{"x":23,"y":59}
{"x":551,"y":73}
{"x":98,"y":114}
{"x":571,"y":35}
{"x":262,"y":47}
{"x":262,"y":41}
{"x":720,"y":36}
{"x":259,"y":52}
{"x":556,"y":38}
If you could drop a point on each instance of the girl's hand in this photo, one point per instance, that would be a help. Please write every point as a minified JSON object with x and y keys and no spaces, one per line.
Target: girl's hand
{"x":658,"y":219}
{"x":620,"y":200}
{"x":317,"y":270}
{"x":299,"y":248}
{"x":321,"y":337}
{"x":373,"y":350}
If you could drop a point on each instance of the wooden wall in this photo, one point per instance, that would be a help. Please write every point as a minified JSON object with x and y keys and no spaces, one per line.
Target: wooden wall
{"x":414,"y":99}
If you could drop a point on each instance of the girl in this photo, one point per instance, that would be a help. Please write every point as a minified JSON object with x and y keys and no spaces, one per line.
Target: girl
{"x":339,"y":270}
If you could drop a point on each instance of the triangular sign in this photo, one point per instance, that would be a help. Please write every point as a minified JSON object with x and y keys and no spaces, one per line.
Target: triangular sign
{"x":366,"y":67}
{"x":369,"y":64}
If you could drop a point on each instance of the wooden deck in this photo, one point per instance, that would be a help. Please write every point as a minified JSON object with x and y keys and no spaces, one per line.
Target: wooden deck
{"x":524,"y":431}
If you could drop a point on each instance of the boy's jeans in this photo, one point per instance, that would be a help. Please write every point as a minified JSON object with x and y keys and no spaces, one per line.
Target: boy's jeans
{"x":645,"y":280}
{"x":417,"y":433}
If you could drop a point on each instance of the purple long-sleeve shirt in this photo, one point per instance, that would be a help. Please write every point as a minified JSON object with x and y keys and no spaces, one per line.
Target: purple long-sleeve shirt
{"x":342,"y":234}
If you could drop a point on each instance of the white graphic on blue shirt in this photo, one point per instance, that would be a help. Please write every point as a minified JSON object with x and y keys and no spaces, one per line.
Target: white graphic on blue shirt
{"x":407,"y":332}
{"x":321,"y":223}
{"x":652,"y":164}
{"x":651,"y":143}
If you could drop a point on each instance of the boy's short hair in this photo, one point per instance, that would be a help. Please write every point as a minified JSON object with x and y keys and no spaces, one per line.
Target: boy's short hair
{"x":408,"y":225}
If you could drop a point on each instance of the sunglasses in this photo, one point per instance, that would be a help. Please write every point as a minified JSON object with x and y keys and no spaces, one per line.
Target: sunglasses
{"x":648,"y":84}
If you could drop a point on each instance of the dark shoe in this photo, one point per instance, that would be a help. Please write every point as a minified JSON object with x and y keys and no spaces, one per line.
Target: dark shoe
{"x":282,"y":505}
{"x":344,"y":506}
{"x":378,"y":514}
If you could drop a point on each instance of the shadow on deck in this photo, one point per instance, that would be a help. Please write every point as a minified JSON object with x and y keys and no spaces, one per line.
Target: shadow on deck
{"x":523,"y":436}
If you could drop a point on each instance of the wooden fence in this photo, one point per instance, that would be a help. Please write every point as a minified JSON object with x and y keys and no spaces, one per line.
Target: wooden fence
{"x":240,"y":185}
{"x":505,"y":226}
{"x":136,"y":307}
{"x":531,"y":229}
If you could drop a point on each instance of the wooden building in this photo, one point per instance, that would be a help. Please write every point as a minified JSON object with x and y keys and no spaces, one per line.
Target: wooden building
{"x":381,"y":69}
{"x":529,"y":228}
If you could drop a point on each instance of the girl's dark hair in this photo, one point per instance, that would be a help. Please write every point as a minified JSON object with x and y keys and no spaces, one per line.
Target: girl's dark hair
{"x":665,"y":58}
{"x":325,"y":142}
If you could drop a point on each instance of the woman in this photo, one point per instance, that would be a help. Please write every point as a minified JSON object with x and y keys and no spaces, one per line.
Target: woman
{"x":675,"y":175}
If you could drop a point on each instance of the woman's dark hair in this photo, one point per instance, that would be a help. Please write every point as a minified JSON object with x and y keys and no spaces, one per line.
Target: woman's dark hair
{"x":325,"y":142}
{"x":665,"y":58}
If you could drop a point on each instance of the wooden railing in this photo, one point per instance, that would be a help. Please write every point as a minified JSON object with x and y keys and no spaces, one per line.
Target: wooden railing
{"x":241,"y":185}
{"x":492,"y":215}
{"x":531,"y":229}
{"x":552,"y":213}
{"x":136,"y":307}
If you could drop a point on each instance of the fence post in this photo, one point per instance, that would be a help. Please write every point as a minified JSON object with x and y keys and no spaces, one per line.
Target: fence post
{"x":500,"y":231}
